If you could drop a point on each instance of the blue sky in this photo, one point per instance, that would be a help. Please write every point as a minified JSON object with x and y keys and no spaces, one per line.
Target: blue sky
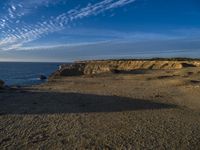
{"x":68,"y":30}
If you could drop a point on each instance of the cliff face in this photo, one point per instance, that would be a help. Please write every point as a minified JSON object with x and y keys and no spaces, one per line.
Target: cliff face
{"x":115,"y":66}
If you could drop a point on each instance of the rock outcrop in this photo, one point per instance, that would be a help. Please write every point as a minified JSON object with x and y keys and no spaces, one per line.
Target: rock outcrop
{"x":116,"y":66}
{"x":1,"y":84}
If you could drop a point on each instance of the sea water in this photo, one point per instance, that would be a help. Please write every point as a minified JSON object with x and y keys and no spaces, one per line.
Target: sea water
{"x":25,"y":74}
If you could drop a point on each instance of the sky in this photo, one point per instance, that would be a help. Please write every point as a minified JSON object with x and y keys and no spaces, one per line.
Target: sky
{"x":69,"y":30}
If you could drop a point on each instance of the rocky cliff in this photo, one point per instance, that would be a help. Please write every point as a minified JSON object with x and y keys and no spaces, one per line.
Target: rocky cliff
{"x":117,"y":66}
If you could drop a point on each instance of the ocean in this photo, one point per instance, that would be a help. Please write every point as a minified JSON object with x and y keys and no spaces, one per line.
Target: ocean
{"x":25,"y":74}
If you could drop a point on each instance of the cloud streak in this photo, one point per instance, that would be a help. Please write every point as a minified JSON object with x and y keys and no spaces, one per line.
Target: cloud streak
{"x":16,"y":9}
{"x":16,"y":37}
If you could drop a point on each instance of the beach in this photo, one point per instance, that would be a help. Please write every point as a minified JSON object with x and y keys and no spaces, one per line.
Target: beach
{"x":143,"y":109}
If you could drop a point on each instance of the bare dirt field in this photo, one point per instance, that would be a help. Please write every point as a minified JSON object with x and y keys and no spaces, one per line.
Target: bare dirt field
{"x":143,"y":109}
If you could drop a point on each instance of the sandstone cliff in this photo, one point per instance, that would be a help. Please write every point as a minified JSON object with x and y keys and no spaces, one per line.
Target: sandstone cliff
{"x":116,"y":66}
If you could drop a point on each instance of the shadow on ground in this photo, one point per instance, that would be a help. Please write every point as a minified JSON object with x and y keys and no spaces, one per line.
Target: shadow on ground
{"x":52,"y":103}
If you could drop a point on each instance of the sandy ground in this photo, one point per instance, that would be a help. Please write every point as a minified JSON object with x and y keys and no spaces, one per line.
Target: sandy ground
{"x":137,"y":110}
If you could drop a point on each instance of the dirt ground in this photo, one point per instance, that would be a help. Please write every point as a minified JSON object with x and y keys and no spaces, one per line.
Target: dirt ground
{"x":143,"y":109}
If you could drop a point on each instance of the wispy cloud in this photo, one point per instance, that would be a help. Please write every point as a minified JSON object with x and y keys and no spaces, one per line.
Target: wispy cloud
{"x":60,"y":46}
{"x":16,"y":9}
{"x":16,"y":37}
{"x":110,"y":37}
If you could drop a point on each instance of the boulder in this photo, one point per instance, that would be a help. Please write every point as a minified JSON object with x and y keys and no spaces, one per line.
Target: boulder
{"x":42,"y":77}
{"x":1,"y":84}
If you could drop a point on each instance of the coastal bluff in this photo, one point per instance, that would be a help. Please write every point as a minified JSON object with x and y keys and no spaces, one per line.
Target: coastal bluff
{"x":95,"y":67}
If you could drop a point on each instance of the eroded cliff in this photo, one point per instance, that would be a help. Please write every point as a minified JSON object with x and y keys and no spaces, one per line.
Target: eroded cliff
{"x":117,"y":66}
